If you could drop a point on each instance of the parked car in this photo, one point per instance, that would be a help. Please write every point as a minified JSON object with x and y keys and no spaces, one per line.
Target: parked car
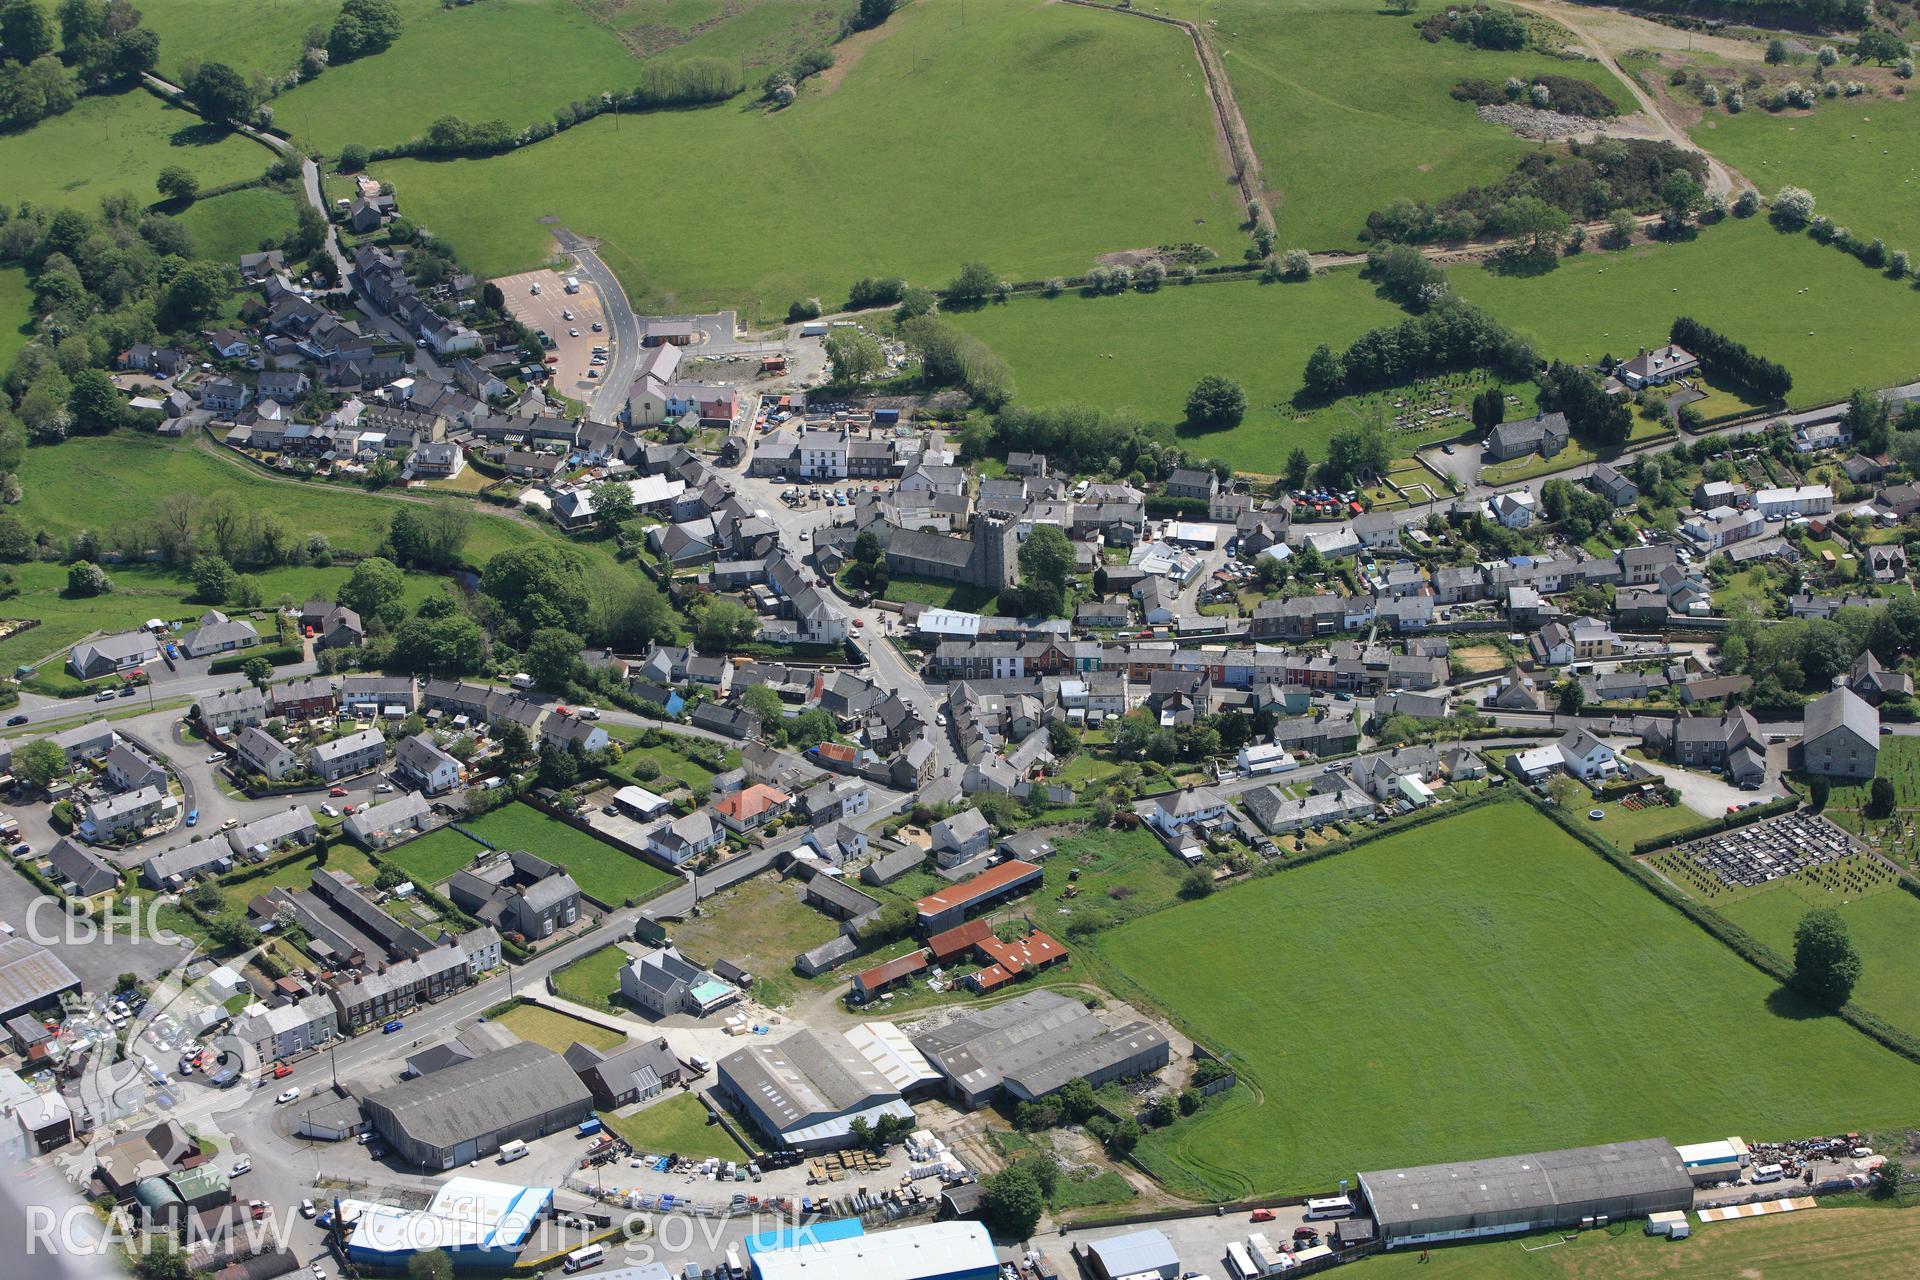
{"x":193,"y":817}
{"x":336,"y":791}
{"x":287,"y":1095}
{"x":307,"y":1209}
{"x":392,"y":1027}
{"x":240,"y":1166}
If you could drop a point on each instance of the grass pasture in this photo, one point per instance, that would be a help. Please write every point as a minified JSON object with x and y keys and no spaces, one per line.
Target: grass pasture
{"x":119,"y":142}
{"x":431,"y":858}
{"x":1085,"y":133}
{"x":601,"y":871}
{"x":1502,"y":967}
{"x":227,"y":226}
{"x":518,"y":60}
{"x":1146,"y":350}
{"x":1349,"y":108}
{"x":16,"y":312}
{"x":251,"y":36}
{"x":1833,"y":323}
{"x":1859,"y":158}
{"x":760,"y":925}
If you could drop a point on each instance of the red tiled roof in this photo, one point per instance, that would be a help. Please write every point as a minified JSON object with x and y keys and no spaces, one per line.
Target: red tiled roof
{"x":989,"y":978}
{"x":988,"y":882}
{"x":751,"y":801}
{"x":892,"y":971}
{"x":955,"y":941}
{"x":1035,"y":951}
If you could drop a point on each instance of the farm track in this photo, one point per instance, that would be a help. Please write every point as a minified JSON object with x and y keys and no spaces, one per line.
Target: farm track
{"x":1226,"y":110}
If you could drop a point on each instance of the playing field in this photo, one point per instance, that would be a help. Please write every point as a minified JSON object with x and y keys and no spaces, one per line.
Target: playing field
{"x":227,"y":226}
{"x":1883,"y":923}
{"x":1349,"y":108}
{"x":1834,"y":323}
{"x":517,"y":60}
{"x":1861,"y":160}
{"x":1084,"y":133}
{"x":1478,"y":986}
{"x":119,"y":142}
{"x":1146,"y":350}
{"x":1822,"y":1244}
{"x":601,"y":871}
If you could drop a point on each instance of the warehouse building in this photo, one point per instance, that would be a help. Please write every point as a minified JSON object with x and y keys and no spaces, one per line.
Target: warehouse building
{"x":935,"y":1251}
{"x":1511,"y":1194}
{"x":805,"y":1092}
{"x":469,"y":1109}
{"x":475,"y":1222}
{"x":1033,"y":1045}
{"x":31,"y":977}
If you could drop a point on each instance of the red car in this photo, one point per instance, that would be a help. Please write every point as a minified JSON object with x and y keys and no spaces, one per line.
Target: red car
{"x":337,"y":791}
{"x":1308,"y":1234}
{"x":1263,"y":1215}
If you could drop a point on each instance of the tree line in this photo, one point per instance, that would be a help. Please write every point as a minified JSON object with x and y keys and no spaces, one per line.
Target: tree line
{"x":102,"y":46}
{"x":1730,"y":362}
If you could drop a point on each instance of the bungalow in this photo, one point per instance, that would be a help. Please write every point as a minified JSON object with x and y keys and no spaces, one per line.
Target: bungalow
{"x":91,"y":659}
{"x":751,"y":807}
{"x":217,"y":633}
{"x":1657,"y":367}
{"x":684,"y":839}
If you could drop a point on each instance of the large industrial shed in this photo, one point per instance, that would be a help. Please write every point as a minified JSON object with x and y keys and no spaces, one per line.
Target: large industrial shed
{"x":1033,"y":1045}
{"x":806,"y":1091}
{"x":468,"y":1110}
{"x":1508,"y":1194}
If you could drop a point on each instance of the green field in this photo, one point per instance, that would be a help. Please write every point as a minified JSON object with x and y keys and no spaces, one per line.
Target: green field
{"x":1884,"y":924}
{"x":1482,"y":985}
{"x":908,"y":589}
{"x":1825,"y":1244}
{"x":251,"y":36}
{"x":298,"y":874}
{"x":755,"y":33}
{"x":594,"y":979}
{"x":1861,"y":160}
{"x":518,"y":60}
{"x":1084,"y":133}
{"x":601,"y":871}
{"x":1146,"y":350}
{"x":227,"y":226}
{"x":1349,"y":109}
{"x":1833,"y":323}
{"x":760,"y":925}
{"x":557,"y":1030}
{"x":16,"y":312}
{"x":674,"y":1124}
{"x":119,"y":142}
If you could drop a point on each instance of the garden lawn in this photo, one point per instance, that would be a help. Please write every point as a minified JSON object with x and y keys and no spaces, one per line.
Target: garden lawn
{"x":432,"y":858}
{"x":227,"y":226}
{"x":676,"y":1124}
{"x":517,"y":60}
{"x":1085,"y":133}
{"x":673,"y":766}
{"x":602,"y":871}
{"x":556,"y":1030}
{"x":1859,"y":158}
{"x":1349,"y":108}
{"x":298,"y":874}
{"x":594,"y":979}
{"x":1829,"y":1244}
{"x":1503,"y":968}
{"x":16,"y":312}
{"x":120,"y":142}
{"x":1834,"y":323}
{"x":1883,"y":923}
{"x":1623,"y":828}
{"x":1145,"y":351}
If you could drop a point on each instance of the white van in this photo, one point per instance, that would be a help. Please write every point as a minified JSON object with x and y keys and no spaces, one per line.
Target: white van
{"x":511,"y":1151}
{"x":1768,"y":1173}
{"x":580,"y":1259}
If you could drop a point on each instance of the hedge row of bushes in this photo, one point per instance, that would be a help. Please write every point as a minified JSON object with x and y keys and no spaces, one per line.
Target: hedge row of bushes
{"x":1713,"y":826}
{"x":278,"y":655}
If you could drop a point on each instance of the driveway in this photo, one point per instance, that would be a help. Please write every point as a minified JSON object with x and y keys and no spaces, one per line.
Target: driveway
{"x":1707,"y":795}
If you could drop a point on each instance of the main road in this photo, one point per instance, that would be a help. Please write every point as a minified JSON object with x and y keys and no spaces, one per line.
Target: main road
{"x":623,"y":327}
